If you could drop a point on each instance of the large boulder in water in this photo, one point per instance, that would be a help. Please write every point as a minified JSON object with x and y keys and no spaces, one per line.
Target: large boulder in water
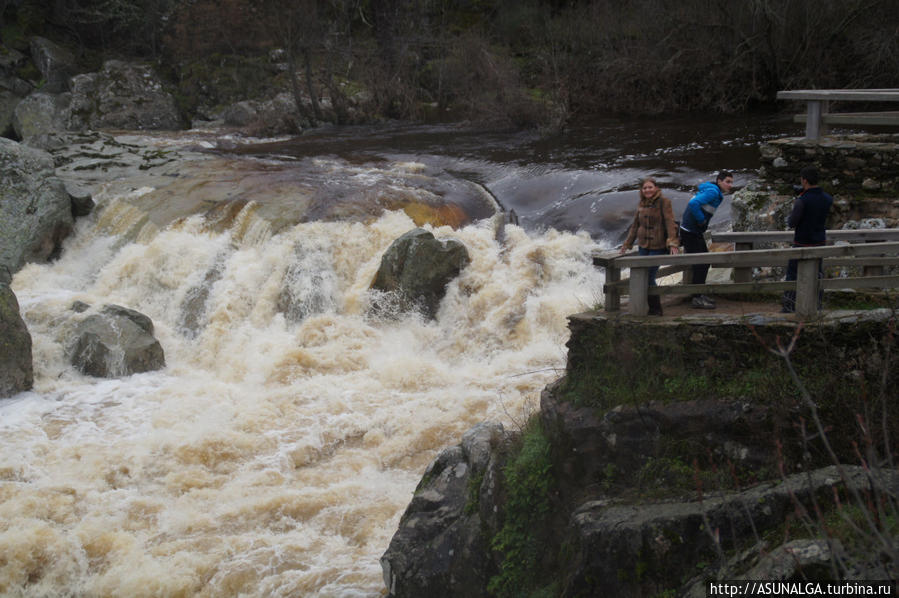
{"x":116,"y":342}
{"x":440,"y":548}
{"x":35,"y":209}
{"x":122,"y":96}
{"x":16,"y":369}
{"x":416,"y":269}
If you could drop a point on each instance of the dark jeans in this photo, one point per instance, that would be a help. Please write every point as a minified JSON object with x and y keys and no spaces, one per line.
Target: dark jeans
{"x":789,"y":297}
{"x":695,"y":243}
{"x":654,"y":270}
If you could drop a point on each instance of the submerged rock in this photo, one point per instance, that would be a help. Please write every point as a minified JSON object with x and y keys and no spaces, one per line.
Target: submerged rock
{"x":192,"y":317}
{"x":310,"y":284}
{"x":116,"y":342}
{"x":416,"y":268}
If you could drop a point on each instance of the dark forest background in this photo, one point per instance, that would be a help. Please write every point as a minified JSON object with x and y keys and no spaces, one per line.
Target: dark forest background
{"x":510,"y":62}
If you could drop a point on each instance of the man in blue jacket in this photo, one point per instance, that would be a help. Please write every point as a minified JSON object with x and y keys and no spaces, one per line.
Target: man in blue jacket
{"x":695,"y":222}
{"x":809,"y":217}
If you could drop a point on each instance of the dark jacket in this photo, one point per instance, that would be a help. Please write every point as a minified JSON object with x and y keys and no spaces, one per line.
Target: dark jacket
{"x":809,"y":217}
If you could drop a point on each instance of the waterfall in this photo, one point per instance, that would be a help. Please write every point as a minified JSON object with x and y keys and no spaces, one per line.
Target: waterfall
{"x":275,"y":453}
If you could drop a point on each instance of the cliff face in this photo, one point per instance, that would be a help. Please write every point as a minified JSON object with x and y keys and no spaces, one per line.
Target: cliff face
{"x":671,"y":453}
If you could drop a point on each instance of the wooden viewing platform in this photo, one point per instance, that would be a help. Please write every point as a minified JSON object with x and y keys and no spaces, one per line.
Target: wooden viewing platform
{"x":864,"y":255}
{"x":818,"y":117}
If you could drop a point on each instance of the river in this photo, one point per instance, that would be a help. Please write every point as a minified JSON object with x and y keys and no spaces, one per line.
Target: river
{"x":277,"y":450}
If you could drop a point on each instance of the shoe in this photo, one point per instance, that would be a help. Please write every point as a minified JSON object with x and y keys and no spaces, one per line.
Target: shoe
{"x":708,"y":299}
{"x":787,"y":310}
{"x":702,"y":302}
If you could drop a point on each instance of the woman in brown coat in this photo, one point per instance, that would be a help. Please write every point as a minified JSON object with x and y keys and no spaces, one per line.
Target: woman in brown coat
{"x":654,"y":230}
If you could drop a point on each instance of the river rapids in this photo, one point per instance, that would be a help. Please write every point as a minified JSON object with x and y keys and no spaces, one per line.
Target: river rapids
{"x":276,"y":451}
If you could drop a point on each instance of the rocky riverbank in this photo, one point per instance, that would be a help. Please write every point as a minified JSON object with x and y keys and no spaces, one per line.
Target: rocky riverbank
{"x":685,"y":450}
{"x":670,"y":454}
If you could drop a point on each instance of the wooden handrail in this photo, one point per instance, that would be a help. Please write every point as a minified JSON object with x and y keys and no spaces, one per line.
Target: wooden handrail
{"x":806,"y":285}
{"x":848,"y":95}
{"x":786,"y":236}
{"x":758,"y":257}
{"x":744,"y":240}
{"x":818,"y":103}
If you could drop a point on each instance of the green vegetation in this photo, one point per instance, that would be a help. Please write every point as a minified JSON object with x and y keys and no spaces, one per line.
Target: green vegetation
{"x":859,"y":300}
{"x":529,"y":484}
{"x":474,"y":493}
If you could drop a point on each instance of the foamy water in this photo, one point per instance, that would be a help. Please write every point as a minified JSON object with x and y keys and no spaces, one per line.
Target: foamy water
{"x":271,"y":457}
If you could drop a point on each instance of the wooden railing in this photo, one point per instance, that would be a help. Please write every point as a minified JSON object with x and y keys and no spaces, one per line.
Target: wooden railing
{"x":817,"y":117}
{"x":746,"y":241}
{"x":806,"y":285}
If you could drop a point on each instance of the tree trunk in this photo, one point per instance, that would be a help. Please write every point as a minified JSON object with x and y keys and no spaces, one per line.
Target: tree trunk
{"x":295,"y":88}
{"x":307,"y":59}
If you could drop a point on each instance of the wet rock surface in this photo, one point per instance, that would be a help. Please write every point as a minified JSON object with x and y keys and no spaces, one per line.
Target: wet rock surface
{"x":35,"y":209}
{"x":417,"y":267}
{"x":16,"y":369}
{"x":116,"y":342}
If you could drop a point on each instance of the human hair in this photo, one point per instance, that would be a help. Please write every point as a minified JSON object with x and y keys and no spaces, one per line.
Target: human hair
{"x":649,"y":179}
{"x":810,"y":174}
{"x":723,"y":175}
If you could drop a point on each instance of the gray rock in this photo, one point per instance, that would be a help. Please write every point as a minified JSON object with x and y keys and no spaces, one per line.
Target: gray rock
{"x":792,"y":558}
{"x":35,"y":210}
{"x":40,"y":117}
{"x":415,"y":270}
{"x":8,"y":103}
{"x":193,"y":306}
{"x":82,"y":200}
{"x":56,"y":64}
{"x":438,"y":550}
{"x":241,"y":114}
{"x":637,"y":550}
{"x":16,"y":368}
{"x":122,"y":96}
{"x":116,"y":342}
{"x":80,"y":307}
{"x":117,"y":311}
{"x":627,"y":438}
{"x":10,"y":61}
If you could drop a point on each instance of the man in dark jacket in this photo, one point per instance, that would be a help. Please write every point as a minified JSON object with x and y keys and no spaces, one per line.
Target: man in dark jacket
{"x":809,"y":217}
{"x":694,"y":223}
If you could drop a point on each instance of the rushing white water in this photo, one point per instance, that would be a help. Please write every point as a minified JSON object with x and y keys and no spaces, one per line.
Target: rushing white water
{"x":273,"y":456}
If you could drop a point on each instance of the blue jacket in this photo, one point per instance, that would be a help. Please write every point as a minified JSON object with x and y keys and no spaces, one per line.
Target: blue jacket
{"x":701,"y":208}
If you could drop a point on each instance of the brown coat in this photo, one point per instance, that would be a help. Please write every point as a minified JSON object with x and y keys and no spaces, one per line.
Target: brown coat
{"x":647,"y":228}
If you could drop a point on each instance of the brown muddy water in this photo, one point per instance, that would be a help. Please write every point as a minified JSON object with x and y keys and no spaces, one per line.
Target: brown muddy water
{"x":275,"y":453}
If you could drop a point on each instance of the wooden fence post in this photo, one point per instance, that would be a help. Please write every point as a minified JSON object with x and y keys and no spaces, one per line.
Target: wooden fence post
{"x":639,"y":291}
{"x":807,"y":288}
{"x":613,"y":296}
{"x":814,"y":124}
{"x":743,"y":274}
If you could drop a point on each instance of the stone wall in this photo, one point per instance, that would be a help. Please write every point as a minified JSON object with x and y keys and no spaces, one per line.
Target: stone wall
{"x":618,"y":360}
{"x":850,"y":164}
{"x":860,"y":171}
